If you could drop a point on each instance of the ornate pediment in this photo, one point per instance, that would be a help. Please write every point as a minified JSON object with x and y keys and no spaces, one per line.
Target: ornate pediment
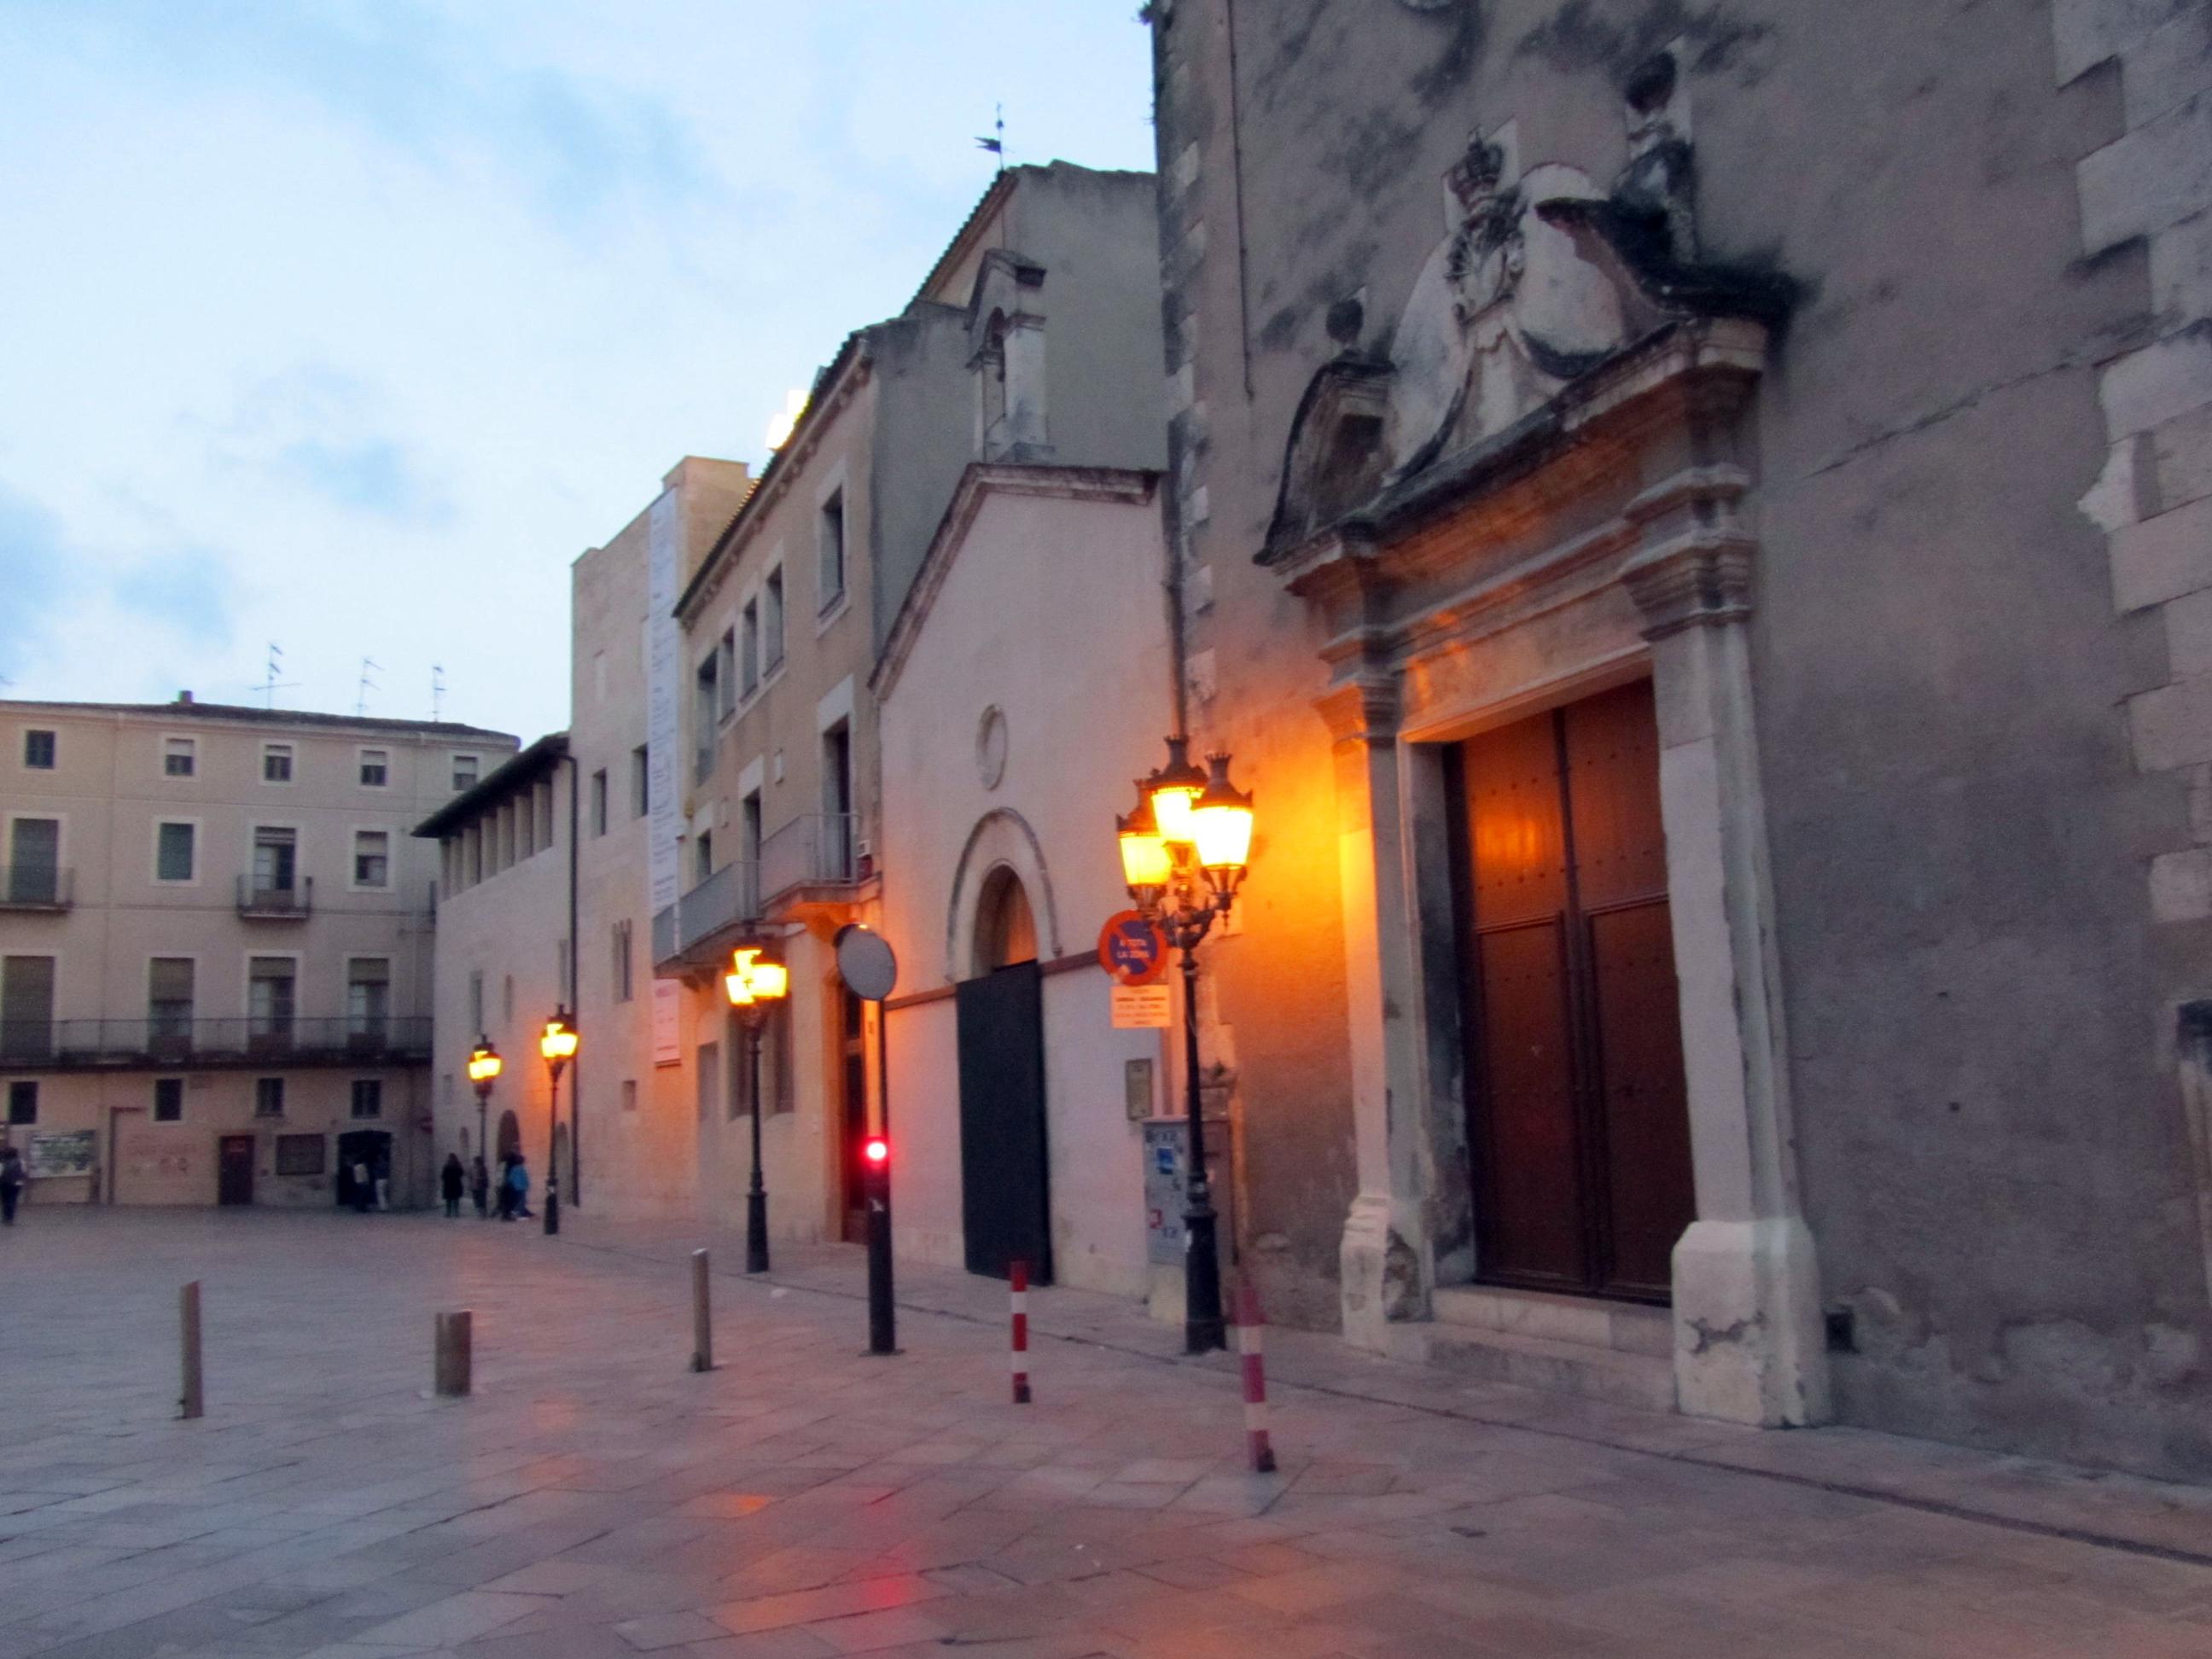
{"x":1542,"y":282}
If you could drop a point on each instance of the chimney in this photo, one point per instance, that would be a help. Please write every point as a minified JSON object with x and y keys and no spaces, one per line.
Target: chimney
{"x":183,"y":696}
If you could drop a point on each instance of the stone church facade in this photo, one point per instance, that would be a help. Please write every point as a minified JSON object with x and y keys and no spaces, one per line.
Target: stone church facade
{"x":1692,"y":521}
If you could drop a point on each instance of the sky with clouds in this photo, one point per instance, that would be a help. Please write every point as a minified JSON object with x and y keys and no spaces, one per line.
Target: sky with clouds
{"x":346,"y":324}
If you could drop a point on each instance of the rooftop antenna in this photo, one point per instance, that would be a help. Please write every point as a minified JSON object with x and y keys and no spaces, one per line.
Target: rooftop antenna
{"x":437,"y":690}
{"x":269,"y":687}
{"x":997,"y":145}
{"x":368,"y":686}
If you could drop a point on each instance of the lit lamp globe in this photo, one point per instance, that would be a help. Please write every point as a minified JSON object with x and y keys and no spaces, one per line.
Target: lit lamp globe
{"x":558,"y":1041}
{"x":1174,"y":789}
{"x":753,"y":978}
{"x":1146,"y":868}
{"x":1221,"y":824}
{"x":485,"y":1066}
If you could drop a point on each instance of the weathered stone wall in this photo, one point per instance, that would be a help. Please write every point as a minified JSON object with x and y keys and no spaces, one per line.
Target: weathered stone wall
{"x":1992,"y":889}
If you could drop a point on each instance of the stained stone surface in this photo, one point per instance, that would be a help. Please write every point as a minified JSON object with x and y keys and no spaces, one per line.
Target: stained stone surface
{"x":593,"y":1499}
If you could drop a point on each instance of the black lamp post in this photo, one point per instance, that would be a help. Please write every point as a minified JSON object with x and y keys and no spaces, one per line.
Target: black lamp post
{"x":558,"y":1045}
{"x":485,"y":1068}
{"x":754,"y":981}
{"x":1184,"y":853}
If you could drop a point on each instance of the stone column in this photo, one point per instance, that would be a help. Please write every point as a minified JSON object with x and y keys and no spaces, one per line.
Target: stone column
{"x":1384,"y":1260}
{"x":1748,"y":1340}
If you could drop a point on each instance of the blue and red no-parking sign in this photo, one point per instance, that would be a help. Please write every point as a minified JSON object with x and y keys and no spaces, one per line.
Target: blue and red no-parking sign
{"x":1131,"y":948}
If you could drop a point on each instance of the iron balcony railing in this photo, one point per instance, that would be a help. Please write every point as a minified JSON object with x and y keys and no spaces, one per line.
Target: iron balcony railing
{"x":248,"y":1040}
{"x":819,"y":849}
{"x":726,"y":900}
{"x":36,"y":887}
{"x":292,"y":901}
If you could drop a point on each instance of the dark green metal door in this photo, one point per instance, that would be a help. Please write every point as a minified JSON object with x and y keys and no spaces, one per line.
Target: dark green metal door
{"x":1006,"y":1205}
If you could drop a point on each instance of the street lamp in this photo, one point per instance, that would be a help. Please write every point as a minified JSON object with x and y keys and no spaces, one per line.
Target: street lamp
{"x":485,"y":1068}
{"x":754,"y":982}
{"x":1183,"y":854}
{"x":558,"y":1042}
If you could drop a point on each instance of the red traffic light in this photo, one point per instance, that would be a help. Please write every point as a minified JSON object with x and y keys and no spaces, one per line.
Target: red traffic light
{"x":876,"y":1149}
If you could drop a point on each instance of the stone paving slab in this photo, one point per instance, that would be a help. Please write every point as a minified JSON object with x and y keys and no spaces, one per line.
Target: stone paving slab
{"x":594,"y":1499}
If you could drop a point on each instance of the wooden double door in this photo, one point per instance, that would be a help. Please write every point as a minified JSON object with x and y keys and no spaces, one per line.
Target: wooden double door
{"x":1578,"y":1112}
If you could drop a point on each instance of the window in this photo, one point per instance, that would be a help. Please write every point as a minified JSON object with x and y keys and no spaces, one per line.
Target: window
{"x":725,"y":669}
{"x":170,"y":999}
{"x":703,"y":854}
{"x":269,"y":1099}
{"x":830,"y":546}
{"x":276,"y":763}
{"x":372,"y":858}
{"x":276,"y":862}
{"x":706,"y":710}
{"x":640,"y":783}
{"x":22,"y":1102}
{"x":269,"y":981}
{"x":180,"y":757}
{"x":368,"y":1096}
{"x":173,"y":852}
{"x":622,"y":980}
{"x":629,"y":1094}
{"x":772,"y":622}
{"x":749,"y":623}
{"x":39,"y":751}
{"x":375,"y":767}
{"x":464,"y":772}
{"x":599,"y":802}
{"x":33,"y":875}
{"x":301,"y":1155}
{"x":475,"y":1000}
{"x":774,"y":1079}
{"x":509,"y":999}
{"x":368,"y":997}
{"x":168,"y":1100}
{"x":27,"y":1007}
{"x":749,"y":828}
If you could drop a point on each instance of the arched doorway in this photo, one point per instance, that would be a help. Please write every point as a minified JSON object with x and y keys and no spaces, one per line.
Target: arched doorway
{"x":510,"y":1136}
{"x":1004,"y":1196}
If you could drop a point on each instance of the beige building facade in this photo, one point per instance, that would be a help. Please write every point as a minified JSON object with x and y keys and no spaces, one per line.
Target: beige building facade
{"x":216,"y":948}
{"x":1028,"y":341}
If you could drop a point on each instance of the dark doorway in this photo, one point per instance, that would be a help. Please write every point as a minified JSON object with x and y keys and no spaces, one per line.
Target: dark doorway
{"x":235,"y":1170}
{"x":510,"y":1136}
{"x":1578,"y":1116}
{"x":369,"y":1147}
{"x":853,"y":1088}
{"x":1005,"y":1206}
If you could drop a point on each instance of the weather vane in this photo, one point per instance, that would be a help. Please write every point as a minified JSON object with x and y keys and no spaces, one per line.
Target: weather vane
{"x":997,"y":144}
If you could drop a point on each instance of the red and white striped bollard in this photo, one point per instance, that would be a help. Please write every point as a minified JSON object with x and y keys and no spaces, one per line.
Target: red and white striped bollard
{"x":1018,"y":1273}
{"x":1256,"y":1378}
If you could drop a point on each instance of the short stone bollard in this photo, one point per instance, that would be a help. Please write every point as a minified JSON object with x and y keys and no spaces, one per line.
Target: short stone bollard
{"x":189,"y":1403}
{"x":455,"y":1353}
{"x":702,"y":1316}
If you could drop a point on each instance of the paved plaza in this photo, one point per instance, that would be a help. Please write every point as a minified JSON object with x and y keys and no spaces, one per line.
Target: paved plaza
{"x":595,"y":1498}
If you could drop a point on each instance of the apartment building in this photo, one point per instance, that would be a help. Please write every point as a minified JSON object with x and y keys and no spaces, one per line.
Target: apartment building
{"x":555,"y":847}
{"x":215,"y":948}
{"x":1032,"y":340}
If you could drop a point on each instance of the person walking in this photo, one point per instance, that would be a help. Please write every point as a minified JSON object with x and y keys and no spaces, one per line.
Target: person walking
{"x":480,"y":1186}
{"x":518,"y":1178}
{"x":450,"y":1180}
{"x":507,"y":1186}
{"x":11,"y":1183}
{"x":364,"y":1190}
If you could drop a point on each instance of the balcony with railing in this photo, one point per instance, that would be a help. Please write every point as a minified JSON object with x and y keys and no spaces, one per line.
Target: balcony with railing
{"x":812,"y":864}
{"x":253,"y":1040}
{"x":700,"y":927}
{"x":260,"y":898}
{"x":36,"y":887}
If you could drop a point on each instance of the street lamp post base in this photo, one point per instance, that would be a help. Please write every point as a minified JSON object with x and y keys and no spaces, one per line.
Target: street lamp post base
{"x":1204,"y":1328}
{"x":756,"y":1232}
{"x":552,"y":1211}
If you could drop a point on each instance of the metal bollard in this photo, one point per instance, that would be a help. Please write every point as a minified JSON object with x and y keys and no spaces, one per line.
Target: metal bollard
{"x":189,"y":1403}
{"x":456,"y":1345}
{"x":702,"y":1316}
{"x":1017,"y":1278}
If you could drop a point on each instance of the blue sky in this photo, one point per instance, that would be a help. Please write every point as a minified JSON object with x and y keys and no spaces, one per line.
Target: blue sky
{"x":348,"y":324}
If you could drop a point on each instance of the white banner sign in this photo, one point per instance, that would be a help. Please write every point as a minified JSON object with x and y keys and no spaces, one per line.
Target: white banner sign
{"x":667,"y":1021}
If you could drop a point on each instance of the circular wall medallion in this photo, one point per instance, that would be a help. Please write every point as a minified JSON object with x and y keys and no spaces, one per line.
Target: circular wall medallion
{"x":990,"y":747}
